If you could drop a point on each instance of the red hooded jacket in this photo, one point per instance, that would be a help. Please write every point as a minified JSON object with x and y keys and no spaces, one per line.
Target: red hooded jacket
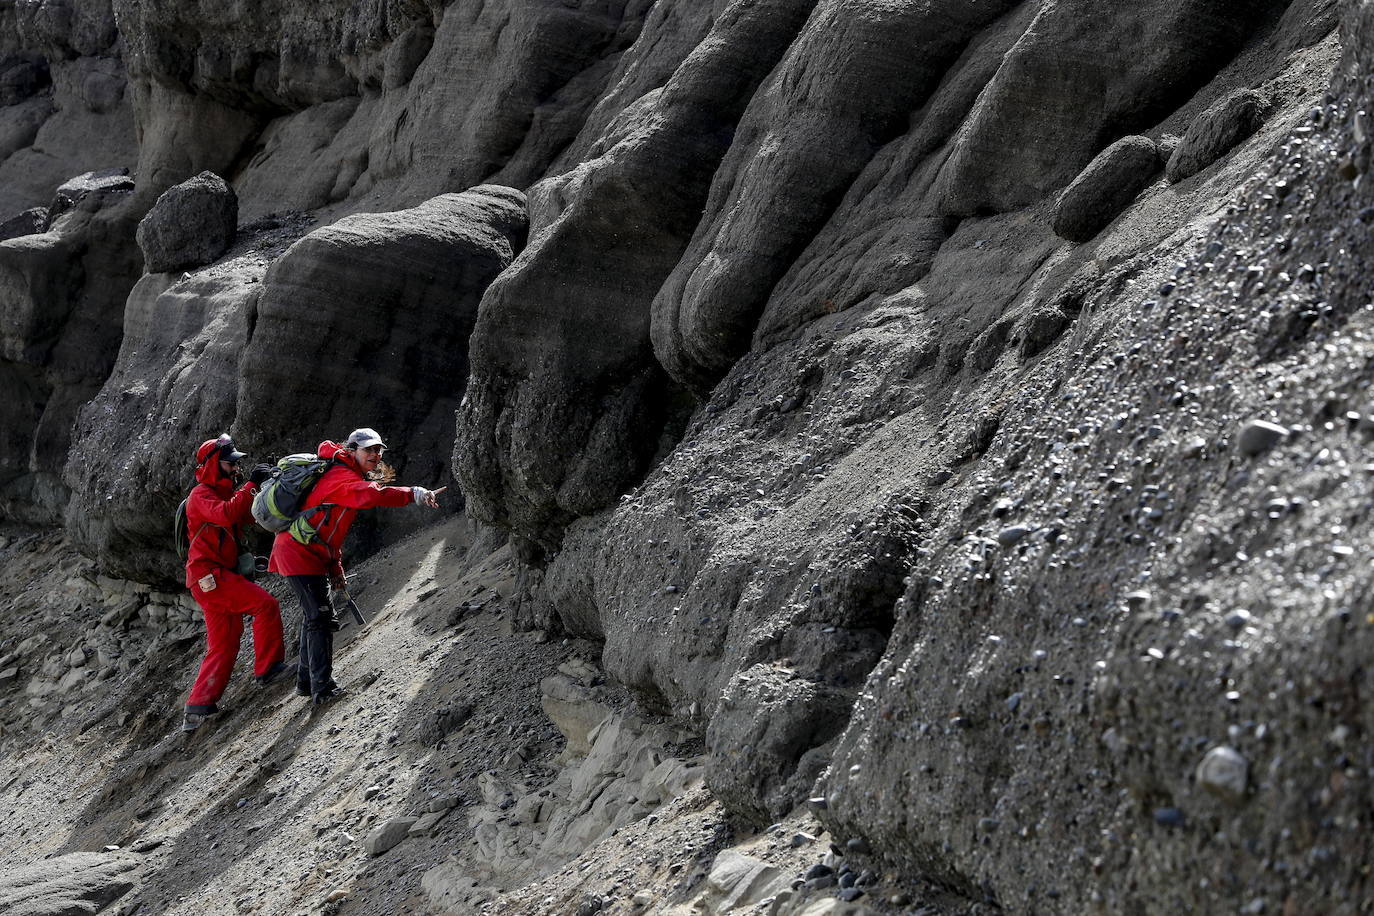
{"x":344,"y":488}
{"x":215,"y":516}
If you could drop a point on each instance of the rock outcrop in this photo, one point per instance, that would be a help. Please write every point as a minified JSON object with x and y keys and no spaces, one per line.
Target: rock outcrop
{"x":61,"y":296}
{"x":604,"y":237}
{"x":391,"y":300}
{"x":63,"y":102}
{"x":840,"y":368}
{"x":1216,"y":132}
{"x":363,"y":322}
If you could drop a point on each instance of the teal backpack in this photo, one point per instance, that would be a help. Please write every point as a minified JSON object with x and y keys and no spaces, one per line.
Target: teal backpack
{"x":277,"y":506}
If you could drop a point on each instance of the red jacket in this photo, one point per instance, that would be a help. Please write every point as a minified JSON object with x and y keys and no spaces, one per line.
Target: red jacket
{"x":215,"y":516}
{"x":345,"y":489}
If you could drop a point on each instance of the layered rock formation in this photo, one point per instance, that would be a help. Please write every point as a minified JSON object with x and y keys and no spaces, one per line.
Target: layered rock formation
{"x":871,"y":385}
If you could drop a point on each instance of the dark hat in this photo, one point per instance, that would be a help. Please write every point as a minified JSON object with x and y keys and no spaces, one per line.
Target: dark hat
{"x":224,"y":445}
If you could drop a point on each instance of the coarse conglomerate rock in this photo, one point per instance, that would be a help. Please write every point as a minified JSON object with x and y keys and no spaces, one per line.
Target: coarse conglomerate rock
{"x":811,"y":129}
{"x":374,"y":106}
{"x":901,"y":435}
{"x":192,"y":224}
{"x":795,"y":400}
{"x":1174,"y":594}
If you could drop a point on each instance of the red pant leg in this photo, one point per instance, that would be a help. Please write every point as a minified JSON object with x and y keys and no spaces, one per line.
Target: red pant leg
{"x":222,"y":633}
{"x":253,"y":600}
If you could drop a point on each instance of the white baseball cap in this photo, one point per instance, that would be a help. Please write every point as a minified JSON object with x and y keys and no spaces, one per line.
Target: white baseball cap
{"x":364,"y":438}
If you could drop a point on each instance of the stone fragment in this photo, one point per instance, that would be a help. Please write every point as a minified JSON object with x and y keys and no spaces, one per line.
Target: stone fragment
{"x":1105,"y":188}
{"x":737,"y":881}
{"x":1224,"y":773}
{"x":1258,"y":436}
{"x":1169,"y":817}
{"x":443,"y":803}
{"x":388,"y":835}
{"x":1012,"y":535}
{"x":191,"y":225}
{"x":424,"y":825}
{"x":1216,"y":131}
{"x":74,"y":191}
{"x":31,"y":222}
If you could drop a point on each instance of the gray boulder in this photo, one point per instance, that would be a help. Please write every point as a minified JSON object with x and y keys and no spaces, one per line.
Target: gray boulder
{"x":31,"y":221}
{"x":393,"y":298}
{"x":191,"y":224}
{"x":1105,"y":188}
{"x":1217,"y":131}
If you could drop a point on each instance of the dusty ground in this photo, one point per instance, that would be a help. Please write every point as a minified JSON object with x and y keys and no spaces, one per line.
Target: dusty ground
{"x":263,"y":809}
{"x":266,"y":808}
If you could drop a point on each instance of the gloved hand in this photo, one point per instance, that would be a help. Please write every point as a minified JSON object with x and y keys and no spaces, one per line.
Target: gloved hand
{"x":338,"y":583}
{"x":260,"y":473}
{"x":425,"y":497}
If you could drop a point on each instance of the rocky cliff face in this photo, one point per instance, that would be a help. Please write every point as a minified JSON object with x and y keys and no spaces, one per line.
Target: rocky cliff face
{"x":879,"y":384}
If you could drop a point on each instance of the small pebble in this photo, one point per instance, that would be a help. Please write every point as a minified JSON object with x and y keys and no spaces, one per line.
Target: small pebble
{"x":1009,"y":536}
{"x":1258,"y":436}
{"x":1224,"y":773}
{"x":1169,"y":817}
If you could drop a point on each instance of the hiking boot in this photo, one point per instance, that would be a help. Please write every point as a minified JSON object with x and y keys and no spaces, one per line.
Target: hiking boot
{"x":328,"y":696}
{"x":302,"y":690}
{"x":276,"y":673}
{"x":192,"y":720}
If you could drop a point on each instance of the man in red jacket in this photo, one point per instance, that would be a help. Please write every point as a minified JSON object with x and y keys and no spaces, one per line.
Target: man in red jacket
{"x":310,"y":568}
{"x":215,"y":515}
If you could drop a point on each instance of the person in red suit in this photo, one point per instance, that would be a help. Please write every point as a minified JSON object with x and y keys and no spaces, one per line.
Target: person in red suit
{"x":215,"y":515}
{"x":311,"y":568}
